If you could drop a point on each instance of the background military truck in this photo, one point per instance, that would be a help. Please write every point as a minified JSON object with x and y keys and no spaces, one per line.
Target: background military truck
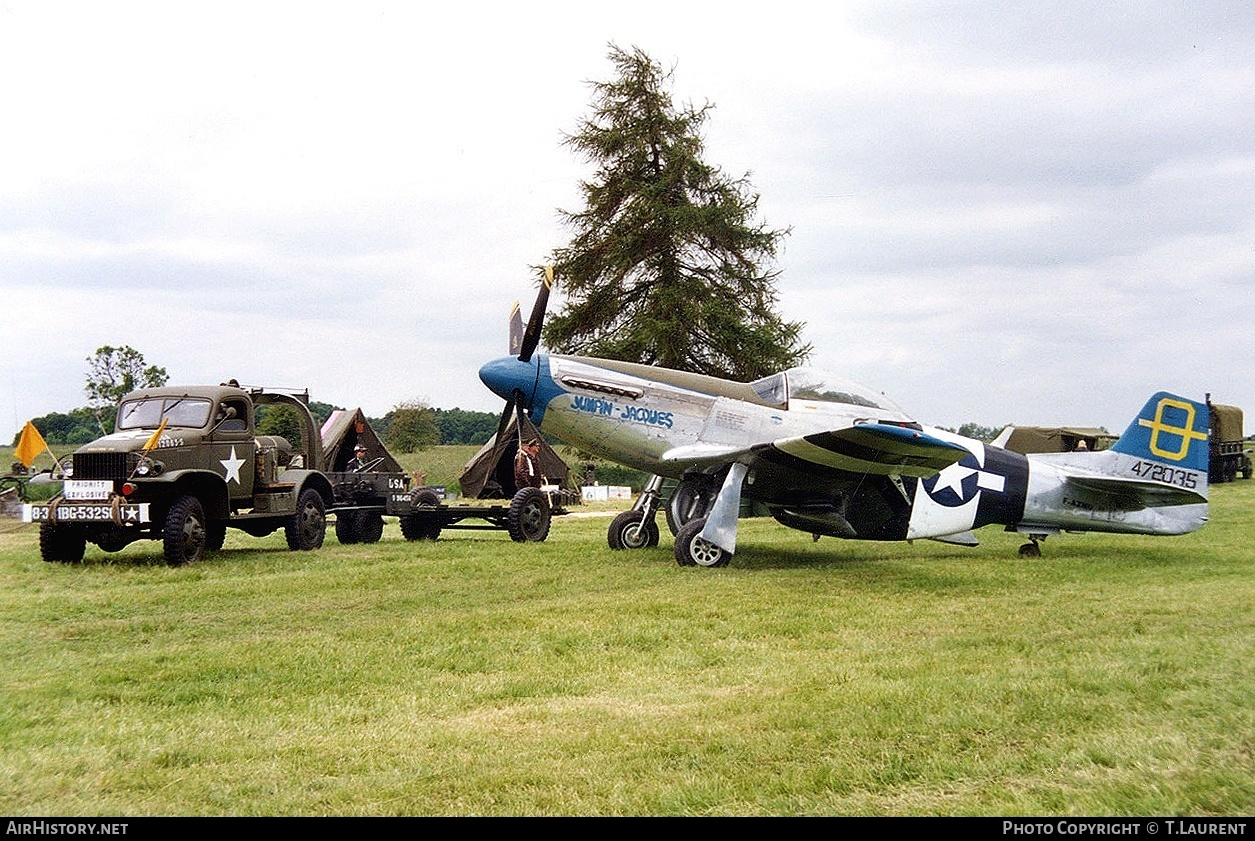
{"x":182,"y":465}
{"x":1227,"y":457}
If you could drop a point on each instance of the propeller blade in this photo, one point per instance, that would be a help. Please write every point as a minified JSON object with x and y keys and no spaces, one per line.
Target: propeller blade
{"x":510,"y":407}
{"x":516,"y":329}
{"x":531,"y":337}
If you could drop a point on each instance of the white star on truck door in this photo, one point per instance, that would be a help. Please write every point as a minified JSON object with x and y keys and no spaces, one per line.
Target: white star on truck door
{"x":232,"y":466}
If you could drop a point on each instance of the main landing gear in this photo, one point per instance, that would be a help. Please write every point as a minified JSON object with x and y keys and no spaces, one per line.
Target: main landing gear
{"x":690,"y":502}
{"x":636,"y":527}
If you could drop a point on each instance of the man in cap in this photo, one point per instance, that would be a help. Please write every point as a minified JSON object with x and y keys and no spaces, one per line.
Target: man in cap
{"x":527,"y":465}
{"x":358,"y":462}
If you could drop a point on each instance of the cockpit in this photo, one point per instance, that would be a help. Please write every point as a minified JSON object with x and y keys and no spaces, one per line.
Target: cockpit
{"x":817,"y":385}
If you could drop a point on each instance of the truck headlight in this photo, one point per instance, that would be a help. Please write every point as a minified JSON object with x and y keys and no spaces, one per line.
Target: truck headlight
{"x":67,"y":469}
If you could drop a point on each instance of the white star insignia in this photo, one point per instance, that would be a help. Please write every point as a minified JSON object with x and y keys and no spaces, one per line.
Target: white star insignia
{"x":232,"y":466}
{"x":952,"y":477}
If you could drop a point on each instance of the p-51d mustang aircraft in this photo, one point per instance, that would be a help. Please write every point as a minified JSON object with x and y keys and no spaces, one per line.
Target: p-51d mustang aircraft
{"x":833,"y":458}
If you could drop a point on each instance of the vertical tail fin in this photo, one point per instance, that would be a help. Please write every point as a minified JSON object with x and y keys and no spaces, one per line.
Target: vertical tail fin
{"x":1170,"y":430}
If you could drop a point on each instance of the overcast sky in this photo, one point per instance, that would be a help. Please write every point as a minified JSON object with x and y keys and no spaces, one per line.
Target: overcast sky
{"x":1038,"y":214}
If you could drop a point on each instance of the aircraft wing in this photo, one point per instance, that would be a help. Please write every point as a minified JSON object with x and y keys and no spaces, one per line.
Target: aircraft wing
{"x":876,"y":448}
{"x":1135,"y":494}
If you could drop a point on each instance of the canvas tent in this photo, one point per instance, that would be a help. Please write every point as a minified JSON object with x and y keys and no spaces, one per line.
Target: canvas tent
{"x":1052,"y":439}
{"x":490,"y":474}
{"x":342,"y":432}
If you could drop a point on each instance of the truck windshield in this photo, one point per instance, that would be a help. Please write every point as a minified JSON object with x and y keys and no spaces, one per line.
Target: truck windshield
{"x":178,"y":411}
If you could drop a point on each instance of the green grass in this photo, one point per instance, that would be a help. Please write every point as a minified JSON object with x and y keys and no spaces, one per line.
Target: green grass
{"x":475,"y":676}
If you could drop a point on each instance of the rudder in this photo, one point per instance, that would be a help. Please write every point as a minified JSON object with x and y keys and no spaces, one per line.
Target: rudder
{"x":1170,"y":430}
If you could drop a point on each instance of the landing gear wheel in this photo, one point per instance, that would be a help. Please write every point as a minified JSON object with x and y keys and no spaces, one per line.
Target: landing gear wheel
{"x":692,"y":550}
{"x":691,"y":499}
{"x":306,"y":528}
{"x":423,"y":525}
{"x":347,"y":527}
{"x":61,"y":544}
{"x":183,"y":538}
{"x":215,"y":535}
{"x":630,"y":530}
{"x":529,"y":516}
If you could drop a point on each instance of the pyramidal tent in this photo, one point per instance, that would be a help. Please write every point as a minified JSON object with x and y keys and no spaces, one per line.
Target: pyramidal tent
{"x":342,"y":432}
{"x":490,"y":474}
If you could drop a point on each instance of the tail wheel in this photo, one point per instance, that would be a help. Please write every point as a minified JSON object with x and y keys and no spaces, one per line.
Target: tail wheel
{"x":184,"y":535}
{"x":61,"y":544}
{"x":692,"y":550}
{"x":306,"y":528}
{"x":632,"y":530}
{"x":529,"y":516}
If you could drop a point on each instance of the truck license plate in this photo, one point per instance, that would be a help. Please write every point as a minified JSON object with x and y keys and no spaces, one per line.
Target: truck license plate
{"x":71,"y":513}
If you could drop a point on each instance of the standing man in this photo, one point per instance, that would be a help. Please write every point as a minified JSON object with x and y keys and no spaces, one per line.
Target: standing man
{"x":527,"y":465}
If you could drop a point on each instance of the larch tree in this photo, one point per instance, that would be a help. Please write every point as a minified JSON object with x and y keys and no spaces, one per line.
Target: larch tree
{"x":668,"y":265}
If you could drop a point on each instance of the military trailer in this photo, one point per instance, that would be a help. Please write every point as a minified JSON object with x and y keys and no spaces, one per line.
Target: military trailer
{"x":183,"y":464}
{"x":1228,"y":456}
{"x":365,"y":494}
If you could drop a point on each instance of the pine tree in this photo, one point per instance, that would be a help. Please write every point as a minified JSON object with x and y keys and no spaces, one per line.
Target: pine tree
{"x":668,"y":265}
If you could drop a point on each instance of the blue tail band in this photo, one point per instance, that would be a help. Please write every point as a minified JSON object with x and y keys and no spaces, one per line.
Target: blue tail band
{"x":1170,"y":430}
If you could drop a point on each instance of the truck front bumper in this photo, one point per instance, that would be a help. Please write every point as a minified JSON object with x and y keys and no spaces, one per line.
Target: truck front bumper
{"x":116,"y":512}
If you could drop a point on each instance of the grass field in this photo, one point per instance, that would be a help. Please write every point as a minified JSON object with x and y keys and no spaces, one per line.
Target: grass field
{"x":475,"y":676}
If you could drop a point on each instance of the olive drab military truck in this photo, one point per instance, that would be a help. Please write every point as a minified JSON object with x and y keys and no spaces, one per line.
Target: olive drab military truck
{"x":1228,"y":457}
{"x":182,"y":465}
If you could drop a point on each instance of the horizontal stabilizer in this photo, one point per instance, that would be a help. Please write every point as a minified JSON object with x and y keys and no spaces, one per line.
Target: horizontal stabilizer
{"x":877,"y":448}
{"x":1135,"y":494}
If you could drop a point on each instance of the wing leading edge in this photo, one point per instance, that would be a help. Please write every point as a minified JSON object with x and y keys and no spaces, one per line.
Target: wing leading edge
{"x":876,"y":448}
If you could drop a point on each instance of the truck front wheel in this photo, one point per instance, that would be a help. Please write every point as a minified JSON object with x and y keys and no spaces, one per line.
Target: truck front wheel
{"x":184,"y":536}
{"x":61,"y":544}
{"x":308,"y":526}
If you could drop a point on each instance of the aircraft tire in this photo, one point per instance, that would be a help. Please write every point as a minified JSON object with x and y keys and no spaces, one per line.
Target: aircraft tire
{"x":529,"y":516}
{"x":691,"y":550}
{"x":691,"y":499}
{"x":628,"y":532}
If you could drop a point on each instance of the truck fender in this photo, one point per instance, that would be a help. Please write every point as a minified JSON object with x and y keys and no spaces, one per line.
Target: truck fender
{"x":302,"y":479}
{"x":205,"y":485}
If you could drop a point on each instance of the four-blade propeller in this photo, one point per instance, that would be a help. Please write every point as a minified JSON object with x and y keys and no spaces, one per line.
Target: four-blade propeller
{"x":524,"y":342}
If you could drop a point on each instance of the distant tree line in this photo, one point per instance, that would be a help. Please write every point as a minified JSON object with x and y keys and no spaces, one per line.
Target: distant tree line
{"x":407,"y":428}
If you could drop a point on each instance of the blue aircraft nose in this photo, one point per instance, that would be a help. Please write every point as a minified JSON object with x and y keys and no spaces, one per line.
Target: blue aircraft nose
{"x":506,"y":375}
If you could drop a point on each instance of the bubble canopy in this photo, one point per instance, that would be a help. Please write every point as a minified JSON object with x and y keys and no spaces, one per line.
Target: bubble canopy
{"x":820,"y":386}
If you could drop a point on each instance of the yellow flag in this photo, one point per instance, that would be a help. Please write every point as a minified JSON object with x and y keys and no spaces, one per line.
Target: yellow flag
{"x":30,"y":445}
{"x":156,"y":436}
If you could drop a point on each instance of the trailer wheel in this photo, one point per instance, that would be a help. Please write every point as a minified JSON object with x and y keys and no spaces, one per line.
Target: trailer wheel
{"x":529,"y":516}
{"x":61,"y":544}
{"x":627,"y":531}
{"x":183,"y":538}
{"x":306,"y":528}
{"x":422,"y":525}
{"x":370,"y":527}
{"x":347,"y":527}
